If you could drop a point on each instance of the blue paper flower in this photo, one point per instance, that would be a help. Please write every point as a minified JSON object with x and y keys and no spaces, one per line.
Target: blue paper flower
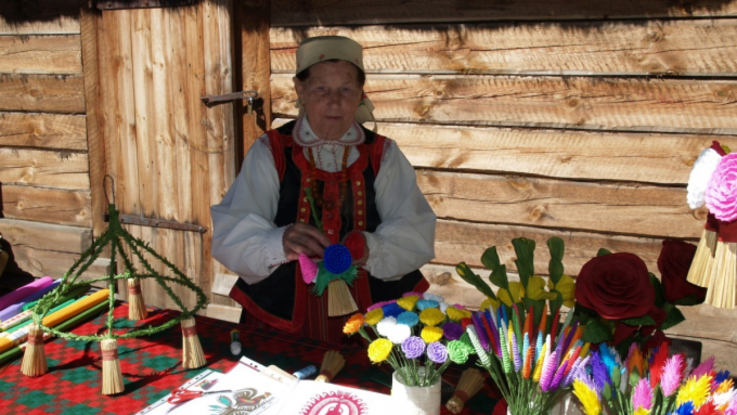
{"x":337,"y":258}
{"x":423,"y":304}
{"x":392,"y":310}
{"x":408,"y":318}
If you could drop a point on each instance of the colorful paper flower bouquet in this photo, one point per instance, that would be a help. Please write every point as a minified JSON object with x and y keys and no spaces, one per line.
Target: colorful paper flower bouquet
{"x":654,"y":384}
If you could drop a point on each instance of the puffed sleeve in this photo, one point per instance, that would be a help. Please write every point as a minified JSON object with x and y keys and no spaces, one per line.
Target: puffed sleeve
{"x":405,"y":239}
{"x":245,"y":238}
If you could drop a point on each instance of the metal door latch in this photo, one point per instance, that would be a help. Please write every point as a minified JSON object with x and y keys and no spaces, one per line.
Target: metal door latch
{"x":211,"y":100}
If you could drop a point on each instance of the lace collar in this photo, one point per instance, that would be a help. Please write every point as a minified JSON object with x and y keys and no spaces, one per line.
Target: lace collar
{"x":305,"y":137}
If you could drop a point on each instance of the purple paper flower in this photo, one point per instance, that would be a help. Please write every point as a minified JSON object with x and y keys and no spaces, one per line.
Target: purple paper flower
{"x":413,"y":347}
{"x":548,"y":372}
{"x":452,"y":331}
{"x":437,"y":352}
{"x":337,"y":258}
{"x":599,"y":370}
{"x":705,"y":367}
{"x":483,"y":338}
{"x":515,"y":353}
{"x":379,"y":305}
{"x":558,"y":378}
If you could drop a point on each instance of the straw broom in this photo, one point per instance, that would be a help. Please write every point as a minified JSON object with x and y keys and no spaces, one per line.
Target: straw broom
{"x":34,"y":358}
{"x":136,"y":305}
{"x":112,"y":376}
{"x":470,"y":383}
{"x":332,"y":363}
{"x":192,"y":355}
{"x":721,"y":292}
{"x":340,"y":300}
{"x":701,"y":269}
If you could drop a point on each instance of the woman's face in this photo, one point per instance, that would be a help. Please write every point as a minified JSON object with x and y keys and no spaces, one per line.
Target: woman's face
{"x":330,"y":96}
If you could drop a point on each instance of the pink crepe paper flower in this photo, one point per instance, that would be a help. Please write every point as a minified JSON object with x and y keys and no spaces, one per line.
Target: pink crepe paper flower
{"x":721,"y":193}
{"x":309,"y":268}
{"x":643,"y":396}
{"x":672,"y":374}
{"x":704,"y":368}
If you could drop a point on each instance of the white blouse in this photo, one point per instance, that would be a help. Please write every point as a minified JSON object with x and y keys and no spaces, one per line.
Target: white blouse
{"x":247,"y":241}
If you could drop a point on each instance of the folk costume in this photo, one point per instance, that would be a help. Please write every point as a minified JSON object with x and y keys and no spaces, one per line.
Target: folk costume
{"x":376,"y":193}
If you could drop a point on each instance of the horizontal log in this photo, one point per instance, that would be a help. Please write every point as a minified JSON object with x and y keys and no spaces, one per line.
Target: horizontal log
{"x":42,"y":93}
{"x":461,"y":241}
{"x":63,"y":170}
{"x":683,"y":47}
{"x":597,"y":207}
{"x":704,"y":321}
{"x":49,"y":131}
{"x":329,"y":12}
{"x":560,"y":102}
{"x":39,"y":262}
{"x":623,"y":156}
{"x":39,"y":17}
{"x":41,"y":54}
{"x":445,"y":282}
{"x":64,"y":207}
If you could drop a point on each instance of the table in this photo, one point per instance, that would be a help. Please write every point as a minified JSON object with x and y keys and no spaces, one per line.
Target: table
{"x":151,"y":367}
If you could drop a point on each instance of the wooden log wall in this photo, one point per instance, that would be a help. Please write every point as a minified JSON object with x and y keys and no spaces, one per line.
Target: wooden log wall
{"x":44,"y":155}
{"x":534,"y":119}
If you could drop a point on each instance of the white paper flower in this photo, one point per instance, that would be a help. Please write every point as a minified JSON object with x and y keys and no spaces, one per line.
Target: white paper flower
{"x":430,"y":296}
{"x":701,"y":173}
{"x":385,"y":326}
{"x":443,"y":307}
{"x":398,"y":333}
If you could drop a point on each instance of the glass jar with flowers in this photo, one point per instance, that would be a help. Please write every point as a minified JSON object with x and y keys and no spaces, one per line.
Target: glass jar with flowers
{"x":419,"y":335}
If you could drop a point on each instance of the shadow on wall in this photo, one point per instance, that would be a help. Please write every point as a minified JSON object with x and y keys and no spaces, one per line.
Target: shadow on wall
{"x":11,"y":276}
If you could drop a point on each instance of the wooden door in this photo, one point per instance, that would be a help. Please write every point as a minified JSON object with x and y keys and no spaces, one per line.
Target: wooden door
{"x":171,"y":157}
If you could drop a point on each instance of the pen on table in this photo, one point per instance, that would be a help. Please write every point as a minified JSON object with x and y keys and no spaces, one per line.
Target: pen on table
{"x":235,"y":342}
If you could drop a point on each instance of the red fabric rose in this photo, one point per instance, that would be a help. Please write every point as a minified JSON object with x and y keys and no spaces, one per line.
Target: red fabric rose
{"x":673,"y":263}
{"x":616,"y":286}
{"x":656,"y":340}
{"x":622,"y":332}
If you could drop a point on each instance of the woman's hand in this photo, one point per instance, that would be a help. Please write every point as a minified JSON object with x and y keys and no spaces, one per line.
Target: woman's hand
{"x":302,"y":238}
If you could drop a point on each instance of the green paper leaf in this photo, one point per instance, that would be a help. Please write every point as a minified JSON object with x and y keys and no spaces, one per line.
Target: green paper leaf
{"x":659,"y":292}
{"x":672,"y":319}
{"x":639,"y":321}
{"x":603,"y":251}
{"x":689,"y":300}
{"x":524,"y":248}
{"x":555,"y":267}
{"x":596,"y":332}
{"x":498,"y":277}
{"x":607,"y":392}
{"x":616,"y":376}
{"x":470,"y":277}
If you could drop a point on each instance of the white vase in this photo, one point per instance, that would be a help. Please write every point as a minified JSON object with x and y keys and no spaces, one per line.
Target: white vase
{"x":416,"y":400}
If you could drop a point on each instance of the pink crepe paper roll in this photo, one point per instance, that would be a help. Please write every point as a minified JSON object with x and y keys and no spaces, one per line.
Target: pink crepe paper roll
{"x":23,"y":292}
{"x":309,"y":268}
{"x":720,"y":196}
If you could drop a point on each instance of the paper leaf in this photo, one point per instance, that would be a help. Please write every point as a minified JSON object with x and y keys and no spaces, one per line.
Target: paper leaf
{"x":470,"y":277}
{"x":596,"y":332}
{"x":557,"y":250}
{"x":672,"y":319}
{"x":639,"y":321}
{"x":524,"y":248}
{"x":603,"y":251}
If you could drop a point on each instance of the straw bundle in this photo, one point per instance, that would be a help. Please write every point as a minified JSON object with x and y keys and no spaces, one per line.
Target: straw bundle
{"x":340,"y":300}
{"x":34,"y":358}
{"x":136,"y":306}
{"x":701,"y":270}
{"x":721,"y":291}
{"x":112,"y":376}
{"x":470,"y":383}
{"x":192,"y":354}
{"x":332,"y":363}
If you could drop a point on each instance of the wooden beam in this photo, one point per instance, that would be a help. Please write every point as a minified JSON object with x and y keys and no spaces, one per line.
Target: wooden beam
{"x":598,"y":207}
{"x":47,"y":131}
{"x":62,"y":170}
{"x":64,"y":207}
{"x":90,"y":21}
{"x":637,"y":47}
{"x":330,"y":13}
{"x":252,"y":69}
{"x":462,"y":241}
{"x":58,"y":54}
{"x":42,"y":93}
{"x":623,"y":156}
{"x":39,"y":17}
{"x":561,"y":102}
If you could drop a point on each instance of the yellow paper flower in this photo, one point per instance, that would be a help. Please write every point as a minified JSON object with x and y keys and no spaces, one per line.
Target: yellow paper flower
{"x":516,"y":290}
{"x":353,"y":324}
{"x":431,"y":334}
{"x":695,"y":390}
{"x":379,"y":350}
{"x":725,"y":386}
{"x":374,"y":316}
{"x":456,"y":314}
{"x":536,"y":289}
{"x":432,"y":316}
{"x":588,"y":398}
{"x":490,"y":302}
{"x":641,"y":411}
{"x":408,"y":302}
{"x":566,"y":286}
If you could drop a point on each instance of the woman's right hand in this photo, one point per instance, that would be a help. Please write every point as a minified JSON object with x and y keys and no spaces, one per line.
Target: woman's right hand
{"x":302,"y":238}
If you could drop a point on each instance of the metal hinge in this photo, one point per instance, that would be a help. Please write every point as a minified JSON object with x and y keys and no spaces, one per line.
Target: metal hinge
{"x":138,"y":4}
{"x":159,"y":223}
{"x":250,"y":96}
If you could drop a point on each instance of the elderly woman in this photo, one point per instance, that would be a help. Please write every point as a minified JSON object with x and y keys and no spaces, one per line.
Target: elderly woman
{"x":362,"y":187}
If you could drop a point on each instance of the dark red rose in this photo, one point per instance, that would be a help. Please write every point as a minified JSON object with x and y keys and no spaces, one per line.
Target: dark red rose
{"x":673,"y":263}
{"x":616,"y":286}
{"x":622,"y":332}
{"x":656,"y":340}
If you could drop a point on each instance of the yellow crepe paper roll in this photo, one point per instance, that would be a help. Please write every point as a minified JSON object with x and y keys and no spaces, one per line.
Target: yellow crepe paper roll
{"x":62,"y":315}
